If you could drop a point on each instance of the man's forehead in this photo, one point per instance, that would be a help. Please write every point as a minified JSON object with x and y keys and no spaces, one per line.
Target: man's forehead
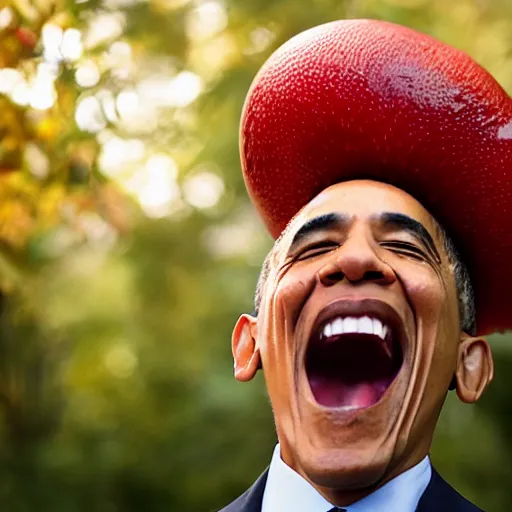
{"x":364,"y":199}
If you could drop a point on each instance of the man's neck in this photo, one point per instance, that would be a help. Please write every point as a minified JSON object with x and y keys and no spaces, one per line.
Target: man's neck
{"x":344,"y":496}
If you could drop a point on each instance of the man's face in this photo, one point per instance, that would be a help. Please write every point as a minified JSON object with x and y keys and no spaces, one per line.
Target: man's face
{"x":358,"y":334}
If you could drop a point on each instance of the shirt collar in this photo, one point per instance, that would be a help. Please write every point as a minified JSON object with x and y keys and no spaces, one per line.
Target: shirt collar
{"x":286,"y":490}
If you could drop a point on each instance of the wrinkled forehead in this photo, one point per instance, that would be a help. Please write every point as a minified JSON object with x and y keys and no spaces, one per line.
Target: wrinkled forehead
{"x":363,"y":200}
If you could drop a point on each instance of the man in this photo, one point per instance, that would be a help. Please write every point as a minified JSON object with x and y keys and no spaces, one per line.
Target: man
{"x":371,"y":152}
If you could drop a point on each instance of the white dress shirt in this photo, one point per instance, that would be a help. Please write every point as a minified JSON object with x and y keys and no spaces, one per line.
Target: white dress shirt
{"x":287,"y":491}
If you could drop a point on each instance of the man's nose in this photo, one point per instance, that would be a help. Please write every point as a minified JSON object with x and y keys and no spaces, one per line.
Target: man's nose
{"x":357,"y":261}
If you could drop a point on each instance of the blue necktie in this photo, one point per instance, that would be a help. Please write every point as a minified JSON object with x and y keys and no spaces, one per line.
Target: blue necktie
{"x":337,"y":509}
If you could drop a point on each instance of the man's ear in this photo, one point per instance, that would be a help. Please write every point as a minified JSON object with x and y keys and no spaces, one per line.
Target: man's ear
{"x":475,"y":368}
{"x":245,"y":352}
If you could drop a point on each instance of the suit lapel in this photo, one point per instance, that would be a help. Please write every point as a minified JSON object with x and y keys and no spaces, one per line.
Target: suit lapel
{"x":251,"y":500}
{"x":441,"y":497}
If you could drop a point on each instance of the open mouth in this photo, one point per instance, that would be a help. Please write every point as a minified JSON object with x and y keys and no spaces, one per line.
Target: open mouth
{"x":351,"y":361}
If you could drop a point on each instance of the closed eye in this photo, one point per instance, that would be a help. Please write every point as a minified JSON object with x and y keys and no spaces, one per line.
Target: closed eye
{"x":405,"y":248}
{"x":316,"y":249}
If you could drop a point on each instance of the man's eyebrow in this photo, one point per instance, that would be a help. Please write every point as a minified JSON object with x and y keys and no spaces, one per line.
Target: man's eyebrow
{"x":318,"y":224}
{"x":401,"y":222}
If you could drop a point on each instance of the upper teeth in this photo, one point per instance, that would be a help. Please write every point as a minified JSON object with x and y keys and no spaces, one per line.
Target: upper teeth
{"x":354,"y":325}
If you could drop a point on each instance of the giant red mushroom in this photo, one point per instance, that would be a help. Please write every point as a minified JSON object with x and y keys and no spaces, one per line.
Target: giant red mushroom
{"x":366,"y":99}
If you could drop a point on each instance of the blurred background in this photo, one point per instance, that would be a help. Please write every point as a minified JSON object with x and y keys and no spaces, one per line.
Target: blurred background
{"x":128,"y":249}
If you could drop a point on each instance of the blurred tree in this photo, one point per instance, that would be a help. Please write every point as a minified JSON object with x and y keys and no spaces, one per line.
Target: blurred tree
{"x":128,"y":248}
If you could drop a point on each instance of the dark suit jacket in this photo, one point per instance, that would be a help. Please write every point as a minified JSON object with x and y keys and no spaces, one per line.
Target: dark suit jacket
{"x":438,"y":497}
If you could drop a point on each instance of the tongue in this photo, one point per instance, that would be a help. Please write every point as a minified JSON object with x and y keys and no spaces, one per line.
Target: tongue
{"x":333,"y":393}
{"x":351,"y":372}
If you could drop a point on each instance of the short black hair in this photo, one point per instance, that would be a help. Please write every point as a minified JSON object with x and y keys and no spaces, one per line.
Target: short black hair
{"x":465,"y":292}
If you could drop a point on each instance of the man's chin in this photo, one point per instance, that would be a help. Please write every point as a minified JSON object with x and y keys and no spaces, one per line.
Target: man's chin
{"x":348,"y":449}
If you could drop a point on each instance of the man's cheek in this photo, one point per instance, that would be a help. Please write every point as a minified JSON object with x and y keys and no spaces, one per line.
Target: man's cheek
{"x":426,"y":295}
{"x":292,"y":290}
{"x":278,"y":344}
{"x":436,"y":305}
{"x":277,"y":335}
{"x":437,"y":328}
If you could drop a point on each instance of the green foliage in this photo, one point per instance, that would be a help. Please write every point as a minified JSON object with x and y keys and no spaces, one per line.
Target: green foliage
{"x":116,"y":388}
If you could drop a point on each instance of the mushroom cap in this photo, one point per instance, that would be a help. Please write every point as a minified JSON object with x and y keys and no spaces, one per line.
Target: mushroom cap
{"x":367,"y":99}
